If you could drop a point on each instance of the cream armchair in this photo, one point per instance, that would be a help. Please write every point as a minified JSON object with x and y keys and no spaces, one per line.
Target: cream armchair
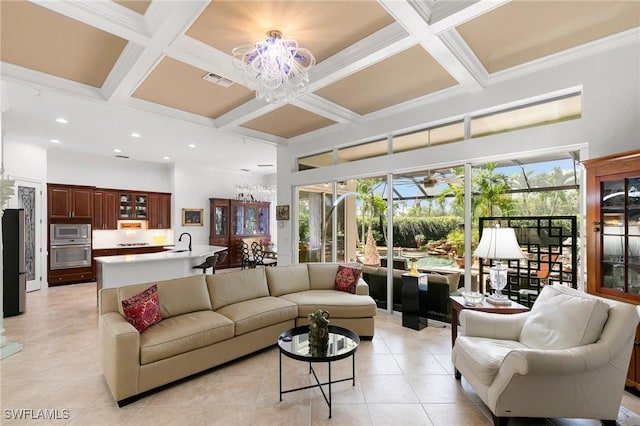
{"x":567,"y":357}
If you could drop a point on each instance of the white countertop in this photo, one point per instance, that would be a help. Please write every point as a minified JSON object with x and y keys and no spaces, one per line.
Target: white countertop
{"x":197,"y":251}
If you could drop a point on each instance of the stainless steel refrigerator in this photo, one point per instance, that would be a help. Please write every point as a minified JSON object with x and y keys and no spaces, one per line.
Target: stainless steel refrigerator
{"x":13,"y":256}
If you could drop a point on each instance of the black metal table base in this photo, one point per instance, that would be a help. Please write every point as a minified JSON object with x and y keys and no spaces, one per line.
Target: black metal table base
{"x":326,"y":395}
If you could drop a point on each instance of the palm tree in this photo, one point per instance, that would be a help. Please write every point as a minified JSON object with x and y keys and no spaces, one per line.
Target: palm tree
{"x":372,"y":205}
{"x":490,"y":191}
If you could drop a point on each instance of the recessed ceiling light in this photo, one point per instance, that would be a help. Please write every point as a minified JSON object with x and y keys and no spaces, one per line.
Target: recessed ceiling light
{"x":166,"y":158}
{"x":117,"y":150}
{"x":136,"y":135}
{"x":192,"y":145}
{"x":61,"y":120}
{"x":54,"y":141}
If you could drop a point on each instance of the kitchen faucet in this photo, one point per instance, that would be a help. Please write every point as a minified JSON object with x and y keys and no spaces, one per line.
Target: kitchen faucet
{"x":180,"y":238}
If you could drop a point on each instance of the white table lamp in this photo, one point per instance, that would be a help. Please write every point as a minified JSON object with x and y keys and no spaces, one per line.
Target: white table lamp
{"x":498,"y":244}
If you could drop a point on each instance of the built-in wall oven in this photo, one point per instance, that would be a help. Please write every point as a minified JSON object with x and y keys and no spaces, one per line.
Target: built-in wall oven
{"x":70,"y":245}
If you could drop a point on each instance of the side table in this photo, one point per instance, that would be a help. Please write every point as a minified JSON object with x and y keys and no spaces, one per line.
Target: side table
{"x":412,"y":302}
{"x":457,"y":304}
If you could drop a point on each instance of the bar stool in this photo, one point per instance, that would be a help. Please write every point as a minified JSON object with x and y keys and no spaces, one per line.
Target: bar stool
{"x":209,"y":262}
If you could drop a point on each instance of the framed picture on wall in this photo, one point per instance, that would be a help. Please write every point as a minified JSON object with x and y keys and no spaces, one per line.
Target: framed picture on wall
{"x":192,"y":217}
{"x":282,"y":212}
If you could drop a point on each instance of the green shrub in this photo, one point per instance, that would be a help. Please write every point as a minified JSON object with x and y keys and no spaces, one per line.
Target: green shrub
{"x":405,"y":229}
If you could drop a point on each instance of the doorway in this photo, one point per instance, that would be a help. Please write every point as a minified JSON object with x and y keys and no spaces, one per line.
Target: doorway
{"x":28,"y":196}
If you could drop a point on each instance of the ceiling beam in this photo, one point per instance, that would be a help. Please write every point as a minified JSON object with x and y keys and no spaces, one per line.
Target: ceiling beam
{"x":382,"y":44}
{"x":167,"y":21}
{"x":416,"y":23}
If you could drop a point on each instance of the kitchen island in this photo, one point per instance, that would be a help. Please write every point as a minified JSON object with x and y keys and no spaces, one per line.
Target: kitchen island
{"x":117,"y":271}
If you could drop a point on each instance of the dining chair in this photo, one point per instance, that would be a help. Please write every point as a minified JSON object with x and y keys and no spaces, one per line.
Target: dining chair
{"x":246,"y":258}
{"x":259,"y":255}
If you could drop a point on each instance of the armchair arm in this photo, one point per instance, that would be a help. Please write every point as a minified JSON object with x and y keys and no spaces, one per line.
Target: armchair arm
{"x":493,"y":326}
{"x":362,"y":288}
{"x":120,"y":354}
{"x":545,"y":362}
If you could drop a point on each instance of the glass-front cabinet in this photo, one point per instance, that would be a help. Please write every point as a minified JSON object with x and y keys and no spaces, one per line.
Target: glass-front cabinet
{"x":133,"y":206}
{"x":220,"y":218}
{"x":620,"y":234}
{"x":613,"y":235}
{"x":249,"y":218}
{"x":234,"y":221}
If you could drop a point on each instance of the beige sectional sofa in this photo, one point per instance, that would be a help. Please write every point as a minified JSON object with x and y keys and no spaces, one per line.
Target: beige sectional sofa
{"x":208,"y":320}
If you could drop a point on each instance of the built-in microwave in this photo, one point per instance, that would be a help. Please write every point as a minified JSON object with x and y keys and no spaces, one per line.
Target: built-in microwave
{"x":69,"y":234}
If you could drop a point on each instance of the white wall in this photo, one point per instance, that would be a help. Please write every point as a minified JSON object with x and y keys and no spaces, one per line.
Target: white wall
{"x":610,"y":103}
{"x":191,"y":187}
{"x":107,"y":172}
{"x":25,"y":161}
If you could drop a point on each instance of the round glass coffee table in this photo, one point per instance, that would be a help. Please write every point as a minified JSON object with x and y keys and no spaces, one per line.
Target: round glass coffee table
{"x":343,"y":343}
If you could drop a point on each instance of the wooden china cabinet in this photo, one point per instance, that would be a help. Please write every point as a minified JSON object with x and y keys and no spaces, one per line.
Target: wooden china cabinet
{"x":234,"y":221}
{"x":613,"y":235}
{"x":219,"y":220}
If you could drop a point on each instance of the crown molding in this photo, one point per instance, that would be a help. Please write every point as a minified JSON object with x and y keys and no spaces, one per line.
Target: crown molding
{"x":165,"y":111}
{"x":324,"y":107}
{"x":39,"y":80}
{"x":257,"y":136}
{"x":570,"y":55}
{"x":447,"y":15}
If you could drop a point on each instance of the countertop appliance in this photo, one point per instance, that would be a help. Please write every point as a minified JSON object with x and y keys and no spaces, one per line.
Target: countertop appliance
{"x":70,"y":245}
{"x":13,"y":256}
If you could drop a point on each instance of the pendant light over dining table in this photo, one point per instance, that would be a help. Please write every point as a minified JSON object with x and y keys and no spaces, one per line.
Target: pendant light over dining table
{"x":275,"y":68}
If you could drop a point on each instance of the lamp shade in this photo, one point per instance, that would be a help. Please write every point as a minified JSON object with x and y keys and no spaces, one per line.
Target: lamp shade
{"x":498,"y":243}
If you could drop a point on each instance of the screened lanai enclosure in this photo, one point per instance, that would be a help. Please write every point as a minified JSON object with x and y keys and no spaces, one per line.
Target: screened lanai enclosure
{"x":376,"y":220}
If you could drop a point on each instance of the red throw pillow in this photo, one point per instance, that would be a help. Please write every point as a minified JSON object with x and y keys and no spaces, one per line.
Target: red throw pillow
{"x":143,"y":309}
{"x":347,"y":278}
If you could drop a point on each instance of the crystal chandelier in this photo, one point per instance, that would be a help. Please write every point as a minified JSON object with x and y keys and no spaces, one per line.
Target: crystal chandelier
{"x":252,"y":192}
{"x":275,"y":68}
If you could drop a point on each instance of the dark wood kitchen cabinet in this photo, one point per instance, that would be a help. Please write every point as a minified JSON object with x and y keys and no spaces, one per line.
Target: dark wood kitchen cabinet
{"x":105,"y":209}
{"x":159,"y":210}
{"x":69,"y":276}
{"x":69,"y":201}
{"x":133,"y":205}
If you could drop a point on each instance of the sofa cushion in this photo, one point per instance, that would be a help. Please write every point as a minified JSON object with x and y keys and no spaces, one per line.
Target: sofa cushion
{"x":233,"y":287}
{"x":287,"y":279}
{"x":183,"y":333}
{"x":259,"y":313}
{"x":322,"y":276}
{"x":347,"y":278}
{"x":338,"y":303}
{"x":563,"y":318}
{"x":143,"y":309}
{"x":177,"y":296}
{"x":483,"y":356}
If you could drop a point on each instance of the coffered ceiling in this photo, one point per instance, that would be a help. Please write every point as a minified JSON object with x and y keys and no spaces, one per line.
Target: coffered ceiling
{"x":124,"y":66}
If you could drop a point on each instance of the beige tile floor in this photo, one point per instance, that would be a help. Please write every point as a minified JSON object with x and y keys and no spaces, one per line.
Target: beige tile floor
{"x":403,"y":377}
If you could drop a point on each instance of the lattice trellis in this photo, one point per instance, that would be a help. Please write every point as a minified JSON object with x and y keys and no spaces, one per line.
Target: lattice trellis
{"x":550,"y":243}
